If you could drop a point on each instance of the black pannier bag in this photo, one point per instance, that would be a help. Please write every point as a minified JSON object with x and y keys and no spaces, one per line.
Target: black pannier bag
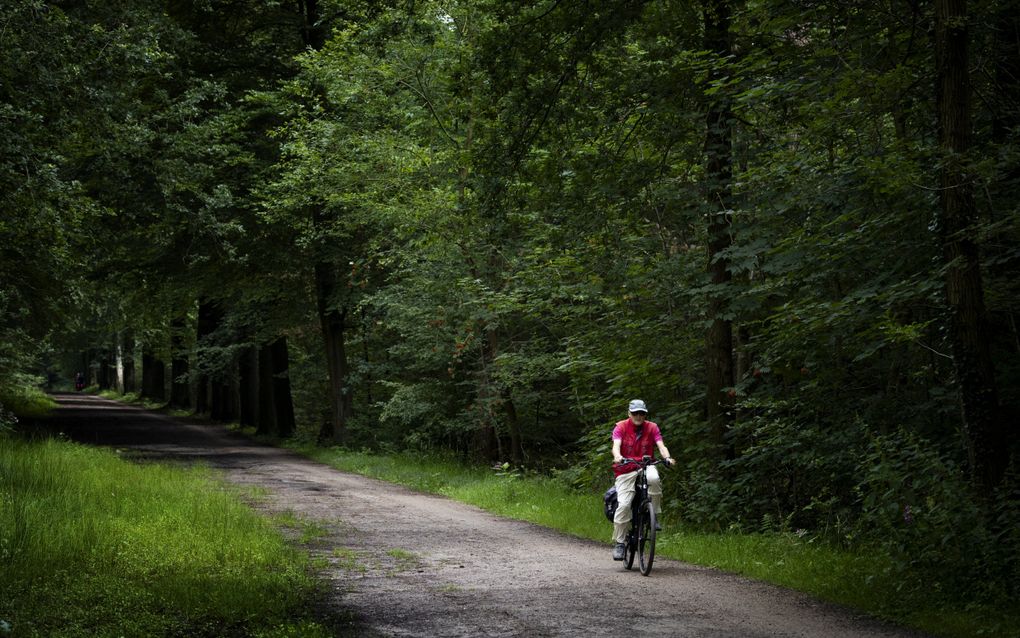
{"x":610,"y":502}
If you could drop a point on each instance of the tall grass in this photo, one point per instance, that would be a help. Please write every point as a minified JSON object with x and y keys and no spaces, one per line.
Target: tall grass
{"x":93,"y":545}
{"x":863,"y":579}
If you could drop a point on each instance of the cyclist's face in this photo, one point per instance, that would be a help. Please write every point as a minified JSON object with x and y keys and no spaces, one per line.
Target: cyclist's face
{"x":637,"y":417}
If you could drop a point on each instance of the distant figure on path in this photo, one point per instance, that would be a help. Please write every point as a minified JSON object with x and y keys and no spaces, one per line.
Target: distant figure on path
{"x":79,"y":381}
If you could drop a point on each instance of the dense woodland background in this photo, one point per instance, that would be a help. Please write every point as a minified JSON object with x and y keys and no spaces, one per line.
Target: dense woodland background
{"x":479,"y":227}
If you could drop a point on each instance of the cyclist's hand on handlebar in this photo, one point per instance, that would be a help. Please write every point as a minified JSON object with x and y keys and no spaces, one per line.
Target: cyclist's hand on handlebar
{"x":617,"y":460}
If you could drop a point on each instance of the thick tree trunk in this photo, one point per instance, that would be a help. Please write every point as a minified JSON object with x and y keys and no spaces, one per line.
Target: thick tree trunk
{"x":266,"y":403}
{"x":719,"y":174}
{"x":180,"y":389}
{"x":91,"y":368}
{"x":248,"y":386}
{"x":282,"y":399}
{"x":105,"y":371}
{"x":332,"y":320}
{"x":514,"y":425}
{"x":986,"y":433}
{"x":153,"y":376}
{"x":223,"y":393}
{"x":209,"y":317}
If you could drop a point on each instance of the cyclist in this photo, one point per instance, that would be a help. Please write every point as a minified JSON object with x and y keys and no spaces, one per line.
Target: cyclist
{"x":634,"y":438}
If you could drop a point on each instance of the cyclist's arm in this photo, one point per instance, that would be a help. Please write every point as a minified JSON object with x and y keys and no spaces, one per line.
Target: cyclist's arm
{"x":664,"y":452}
{"x":616,"y":451}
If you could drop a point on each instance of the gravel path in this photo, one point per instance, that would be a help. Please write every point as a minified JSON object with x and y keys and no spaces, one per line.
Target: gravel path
{"x":411,"y":564}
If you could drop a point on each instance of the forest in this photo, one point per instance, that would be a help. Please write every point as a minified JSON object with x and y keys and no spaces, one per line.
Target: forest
{"x":476,"y":229}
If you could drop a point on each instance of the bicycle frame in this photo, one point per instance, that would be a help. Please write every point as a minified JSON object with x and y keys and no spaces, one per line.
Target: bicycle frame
{"x":636,"y":540}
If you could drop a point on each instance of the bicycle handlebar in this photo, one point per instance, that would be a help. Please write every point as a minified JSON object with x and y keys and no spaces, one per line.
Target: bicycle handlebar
{"x":642,"y":462}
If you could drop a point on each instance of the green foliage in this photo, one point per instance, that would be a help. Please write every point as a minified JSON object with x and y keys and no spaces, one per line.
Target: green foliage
{"x":97,"y":545}
{"x":917,"y":506}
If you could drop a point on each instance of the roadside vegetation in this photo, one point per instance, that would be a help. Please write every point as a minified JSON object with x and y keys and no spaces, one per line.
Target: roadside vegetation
{"x":863,"y":578}
{"x":22,"y":400}
{"x":95,"y":545}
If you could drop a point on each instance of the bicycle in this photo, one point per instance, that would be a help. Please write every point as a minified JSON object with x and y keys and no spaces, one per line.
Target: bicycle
{"x":641,"y":537}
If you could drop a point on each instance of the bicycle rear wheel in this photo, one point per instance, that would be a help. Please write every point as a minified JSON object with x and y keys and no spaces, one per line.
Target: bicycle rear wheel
{"x":646,"y":537}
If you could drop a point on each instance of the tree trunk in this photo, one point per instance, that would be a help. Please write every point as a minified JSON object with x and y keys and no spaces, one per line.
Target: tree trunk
{"x":332,"y":320}
{"x":282,"y":400}
{"x":266,"y":422}
{"x":514,"y":425}
{"x":223,"y":392}
{"x":719,"y":174}
{"x":180,"y":390}
{"x":248,"y":386}
{"x":118,"y":366}
{"x":153,"y":376}
{"x":129,"y":363}
{"x":313,"y":34}
{"x":986,"y":433}
{"x":209,"y":317}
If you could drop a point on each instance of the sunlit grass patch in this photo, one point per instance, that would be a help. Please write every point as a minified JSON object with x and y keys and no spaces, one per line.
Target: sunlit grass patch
{"x":95,"y":545}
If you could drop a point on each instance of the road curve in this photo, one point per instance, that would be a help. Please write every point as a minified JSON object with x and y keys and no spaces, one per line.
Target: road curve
{"x":412,"y":564}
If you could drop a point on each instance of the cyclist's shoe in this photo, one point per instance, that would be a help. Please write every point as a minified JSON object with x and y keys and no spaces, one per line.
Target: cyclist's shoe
{"x":658,"y":526}
{"x":619,"y":551}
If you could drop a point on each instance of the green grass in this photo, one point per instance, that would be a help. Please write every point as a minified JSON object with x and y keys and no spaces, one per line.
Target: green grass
{"x":863,"y":580}
{"x":136,"y":399}
{"x":26,"y":402}
{"x":94,"y":545}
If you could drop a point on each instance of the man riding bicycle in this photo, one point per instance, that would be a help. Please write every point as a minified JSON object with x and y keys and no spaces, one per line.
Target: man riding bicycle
{"x":634,"y":438}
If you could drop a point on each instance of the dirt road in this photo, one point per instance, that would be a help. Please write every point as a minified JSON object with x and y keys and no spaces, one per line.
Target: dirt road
{"x":410,"y":564}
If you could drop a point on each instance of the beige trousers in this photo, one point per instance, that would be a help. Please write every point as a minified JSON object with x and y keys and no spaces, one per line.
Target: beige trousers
{"x":625,"y":495}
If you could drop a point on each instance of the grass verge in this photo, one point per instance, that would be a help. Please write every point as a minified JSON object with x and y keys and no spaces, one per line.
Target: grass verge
{"x":26,"y":401}
{"x":862,"y":580}
{"x":94,"y":545}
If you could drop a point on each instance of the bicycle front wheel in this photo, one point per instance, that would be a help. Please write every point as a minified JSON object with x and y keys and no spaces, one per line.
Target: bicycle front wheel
{"x":631,"y":551}
{"x":646,"y":537}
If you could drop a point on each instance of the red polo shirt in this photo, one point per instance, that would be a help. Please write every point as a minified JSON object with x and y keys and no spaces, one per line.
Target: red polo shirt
{"x":634,"y":443}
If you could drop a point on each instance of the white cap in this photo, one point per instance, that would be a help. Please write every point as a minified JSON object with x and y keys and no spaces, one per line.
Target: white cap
{"x":637,"y":405}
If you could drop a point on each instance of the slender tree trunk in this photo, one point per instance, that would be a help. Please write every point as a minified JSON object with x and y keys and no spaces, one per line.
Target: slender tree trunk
{"x":972,"y":360}
{"x":282,"y":400}
{"x":248,"y":386}
{"x":129,"y":363}
{"x":119,"y":362}
{"x":719,"y":176}
{"x":180,"y":389}
{"x":332,"y":320}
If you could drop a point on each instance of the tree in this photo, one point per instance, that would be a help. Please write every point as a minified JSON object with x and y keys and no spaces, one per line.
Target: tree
{"x":972,"y":360}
